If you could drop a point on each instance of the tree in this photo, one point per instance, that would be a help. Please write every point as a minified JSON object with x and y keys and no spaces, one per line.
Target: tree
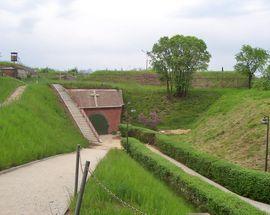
{"x":161,"y":61}
{"x":176,"y":59}
{"x":251,"y":60}
{"x":73,"y":71}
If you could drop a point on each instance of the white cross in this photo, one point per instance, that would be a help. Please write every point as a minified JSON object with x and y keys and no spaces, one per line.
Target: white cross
{"x":95,"y":95}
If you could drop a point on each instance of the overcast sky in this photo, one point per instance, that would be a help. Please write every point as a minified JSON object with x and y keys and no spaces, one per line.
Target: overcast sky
{"x":101,"y":34}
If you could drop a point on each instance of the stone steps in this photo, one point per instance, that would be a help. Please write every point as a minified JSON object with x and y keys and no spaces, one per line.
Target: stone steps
{"x":85,"y":126}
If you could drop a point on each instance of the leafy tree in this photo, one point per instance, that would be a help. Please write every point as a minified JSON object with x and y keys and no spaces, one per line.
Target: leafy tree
{"x":251,"y":60}
{"x":161,"y":61}
{"x":177,"y":58}
{"x":73,"y":71}
{"x":266,"y":72}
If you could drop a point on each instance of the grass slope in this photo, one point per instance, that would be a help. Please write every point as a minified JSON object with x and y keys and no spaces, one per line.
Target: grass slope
{"x":133,"y":184}
{"x":231,"y":128}
{"x":224,"y":122}
{"x":35,"y":127}
{"x":175,"y":113}
{"x":7,"y":86}
{"x":203,"y":79}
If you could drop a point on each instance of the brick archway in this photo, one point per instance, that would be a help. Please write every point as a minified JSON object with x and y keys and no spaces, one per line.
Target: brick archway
{"x":100,"y":123}
{"x":112,"y":115}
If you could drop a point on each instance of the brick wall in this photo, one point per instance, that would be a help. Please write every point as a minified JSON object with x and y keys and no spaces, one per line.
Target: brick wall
{"x":113,"y":116}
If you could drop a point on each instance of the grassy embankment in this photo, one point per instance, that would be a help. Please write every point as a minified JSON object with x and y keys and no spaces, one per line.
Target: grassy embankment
{"x":133,"y":184}
{"x":224,"y":122}
{"x":34,"y":127}
{"x":201,"y":79}
{"x":7,"y":86}
{"x":175,"y":113}
{"x":231,"y":128}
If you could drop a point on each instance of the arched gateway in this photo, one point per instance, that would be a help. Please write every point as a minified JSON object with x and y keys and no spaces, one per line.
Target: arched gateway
{"x":100,"y":123}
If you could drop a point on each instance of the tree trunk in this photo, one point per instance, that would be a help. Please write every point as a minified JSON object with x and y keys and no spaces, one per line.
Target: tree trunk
{"x":168,"y":88}
{"x":249,"y":81}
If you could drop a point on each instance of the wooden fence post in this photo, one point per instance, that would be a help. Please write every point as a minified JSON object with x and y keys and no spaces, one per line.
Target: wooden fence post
{"x":80,"y":196}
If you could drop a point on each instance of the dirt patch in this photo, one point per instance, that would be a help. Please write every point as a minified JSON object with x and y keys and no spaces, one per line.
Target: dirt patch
{"x":176,"y":131}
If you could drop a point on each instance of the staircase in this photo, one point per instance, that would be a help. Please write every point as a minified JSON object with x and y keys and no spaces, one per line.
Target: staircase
{"x":78,"y":115}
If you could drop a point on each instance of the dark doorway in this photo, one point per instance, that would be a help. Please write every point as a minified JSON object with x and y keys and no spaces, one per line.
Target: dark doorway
{"x":100,"y":123}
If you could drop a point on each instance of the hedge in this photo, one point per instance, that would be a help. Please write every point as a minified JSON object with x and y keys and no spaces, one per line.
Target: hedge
{"x":143,"y":134}
{"x":245,"y":182}
{"x":203,"y":195}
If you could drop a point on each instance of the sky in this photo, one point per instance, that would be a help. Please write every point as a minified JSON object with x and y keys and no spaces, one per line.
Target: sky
{"x":111,"y":34}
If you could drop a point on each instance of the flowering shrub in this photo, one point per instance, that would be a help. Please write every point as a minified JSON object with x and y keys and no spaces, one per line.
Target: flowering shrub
{"x":151,"y":121}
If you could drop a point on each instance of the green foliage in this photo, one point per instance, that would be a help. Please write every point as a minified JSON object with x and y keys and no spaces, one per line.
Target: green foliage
{"x":177,"y":58}
{"x":250,"y":60}
{"x":249,"y":183}
{"x":46,"y":70}
{"x":132,"y":183}
{"x":34,"y":127}
{"x":7,"y":86}
{"x":73,"y":71}
{"x":205,"y":196}
{"x":263,"y":83}
{"x":142,"y":134}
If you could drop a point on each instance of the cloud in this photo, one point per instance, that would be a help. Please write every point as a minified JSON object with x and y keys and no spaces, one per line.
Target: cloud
{"x":111,"y":34}
{"x":223,"y":9}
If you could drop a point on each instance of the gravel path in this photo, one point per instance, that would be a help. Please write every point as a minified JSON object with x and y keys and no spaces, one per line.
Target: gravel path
{"x":45,"y":187}
{"x":15,"y":95}
{"x":262,"y":206}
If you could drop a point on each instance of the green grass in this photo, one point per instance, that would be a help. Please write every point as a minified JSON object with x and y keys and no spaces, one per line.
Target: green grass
{"x":231,"y":127}
{"x":34,"y":127}
{"x":175,"y":113}
{"x":224,"y":121}
{"x":207,"y":197}
{"x":7,"y":86}
{"x":133,"y":184}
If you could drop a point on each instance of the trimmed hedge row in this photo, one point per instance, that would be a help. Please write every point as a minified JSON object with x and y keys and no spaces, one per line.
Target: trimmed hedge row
{"x":245,"y":182}
{"x":143,"y":134}
{"x":205,"y":196}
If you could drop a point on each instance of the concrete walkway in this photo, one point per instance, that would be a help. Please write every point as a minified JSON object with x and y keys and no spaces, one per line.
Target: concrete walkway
{"x":45,"y":187}
{"x":262,"y":206}
{"x":15,"y":95}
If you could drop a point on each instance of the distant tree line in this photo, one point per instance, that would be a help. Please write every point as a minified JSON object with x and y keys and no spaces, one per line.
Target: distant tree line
{"x":72,"y":71}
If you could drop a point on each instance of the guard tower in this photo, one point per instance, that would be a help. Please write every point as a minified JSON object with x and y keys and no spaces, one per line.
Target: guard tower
{"x":14,"y":57}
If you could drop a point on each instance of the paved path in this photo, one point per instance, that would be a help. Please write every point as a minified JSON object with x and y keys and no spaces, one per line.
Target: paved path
{"x":45,"y":187}
{"x":15,"y":95}
{"x":259,"y":205}
{"x":82,"y":121}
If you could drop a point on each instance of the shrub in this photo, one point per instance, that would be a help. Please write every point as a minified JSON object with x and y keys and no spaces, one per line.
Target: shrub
{"x":245,"y":182}
{"x":152,"y":121}
{"x":143,"y":134}
{"x":262,"y":84}
{"x":205,"y":196}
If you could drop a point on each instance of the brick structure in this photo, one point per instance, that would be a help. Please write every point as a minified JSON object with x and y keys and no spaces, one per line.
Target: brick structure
{"x":17,"y":71}
{"x":98,"y":103}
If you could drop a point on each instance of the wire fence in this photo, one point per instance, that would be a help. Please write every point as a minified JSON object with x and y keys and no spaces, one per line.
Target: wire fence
{"x":109,"y":192}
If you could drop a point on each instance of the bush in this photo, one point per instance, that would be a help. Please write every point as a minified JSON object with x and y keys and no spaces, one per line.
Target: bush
{"x":205,"y":196}
{"x":262,"y":84}
{"x":245,"y":182}
{"x":143,"y":134}
{"x":152,"y":121}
